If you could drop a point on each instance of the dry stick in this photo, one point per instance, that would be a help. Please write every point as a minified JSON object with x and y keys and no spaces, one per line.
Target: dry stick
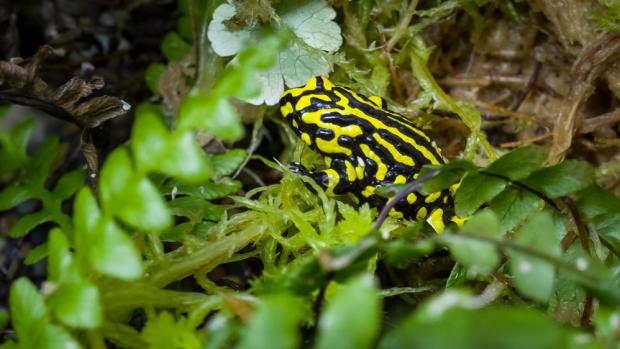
{"x":525,"y":141}
{"x":415,"y":185}
{"x":399,"y":31}
{"x":528,"y":88}
{"x":392,"y":67}
{"x":520,"y":97}
{"x":589,"y":66}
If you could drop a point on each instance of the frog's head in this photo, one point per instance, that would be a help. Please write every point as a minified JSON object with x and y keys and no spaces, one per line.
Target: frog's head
{"x":321,"y":94}
{"x":315,"y":95}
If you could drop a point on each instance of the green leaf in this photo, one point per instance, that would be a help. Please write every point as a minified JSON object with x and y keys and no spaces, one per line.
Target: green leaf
{"x":475,"y":190}
{"x":86,"y":214}
{"x":185,"y":159}
{"x":203,"y":229}
{"x":608,"y":226}
{"x":174,"y":47}
{"x":130,"y":196}
{"x":478,"y":256}
{"x":298,"y":64}
{"x":117,"y":171}
{"x":45,"y":159}
{"x":457,"y":277}
{"x":152,"y":74}
{"x":489,"y":328}
{"x":163,"y":332}
{"x":175,"y":154}
{"x":513,"y":206}
{"x":54,"y":337}
{"x":274,"y":324}
{"x":519,"y":163}
{"x":595,"y":200}
{"x":143,"y":208}
{"x":113,"y":253}
{"x":208,"y":190}
{"x":77,"y":305}
{"x":176,"y":232}
{"x":68,"y":185}
{"x":302,"y":58}
{"x":214,"y":115}
{"x":534,"y":277}
{"x":563,"y":179}
{"x":352,"y":318}
{"x":61,"y":266}
{"x":400,"y":251}
{"x":28,"y":222}
{"x":13,"y":196}
{"x":20,"y":135}
{"x":101,"y":243}
{"x":313,"y":23}
{"x":449,"y":174}
{"x":226,"y":163}
{"x":196,"y":209}
{"x":36,"y":254}
{"x":30,"y":319}
{"x":28,"y":312}
{"x":149,"y":138}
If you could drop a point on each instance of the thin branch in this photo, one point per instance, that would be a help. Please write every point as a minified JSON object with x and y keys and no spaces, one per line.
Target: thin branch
{"x":415,"y":185}
{"x":530,"y":84}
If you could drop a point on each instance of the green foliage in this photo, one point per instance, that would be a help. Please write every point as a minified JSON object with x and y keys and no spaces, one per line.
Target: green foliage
{"x":174,"y":47}
{"x":164,"y":331}
{"x":488,"y":328}
{"x":477,"y":256}
{"x":31,"y":320}
{"x":476,"y":189}
{"x":274,"y":324}
{"x":212,"y":111}
{"x":533,"y":276}
{"x":29,"y":173}
{"x":563,"y":179}
{"x":355,"y":310}
{"x":101,"y":243}
{"x":164,"y":220}
{"x":313,"y":34}
{"x":152,"y":75}
{"x":608,"y":18}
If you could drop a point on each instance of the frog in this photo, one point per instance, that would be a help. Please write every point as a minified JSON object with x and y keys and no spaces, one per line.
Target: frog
{"x":365,"y":146}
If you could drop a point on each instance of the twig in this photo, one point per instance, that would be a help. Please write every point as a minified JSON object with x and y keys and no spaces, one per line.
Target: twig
{"x":391,"y":67}
{"x":525,"y":141}
{"x":415,"y":185}
{"x":528,"y":87}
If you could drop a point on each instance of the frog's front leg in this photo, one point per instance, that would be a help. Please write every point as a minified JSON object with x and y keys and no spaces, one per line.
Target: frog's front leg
{"x":339,"y":178}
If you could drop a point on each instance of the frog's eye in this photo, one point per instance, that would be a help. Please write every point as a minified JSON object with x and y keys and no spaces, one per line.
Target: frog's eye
{"x":382,"y":103}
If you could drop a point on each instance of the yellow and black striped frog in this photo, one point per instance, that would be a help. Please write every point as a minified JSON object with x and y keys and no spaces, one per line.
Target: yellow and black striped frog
{"x":364,"y":146}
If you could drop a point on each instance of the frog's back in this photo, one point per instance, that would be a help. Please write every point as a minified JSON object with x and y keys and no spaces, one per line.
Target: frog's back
{"x":357,"y":126}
